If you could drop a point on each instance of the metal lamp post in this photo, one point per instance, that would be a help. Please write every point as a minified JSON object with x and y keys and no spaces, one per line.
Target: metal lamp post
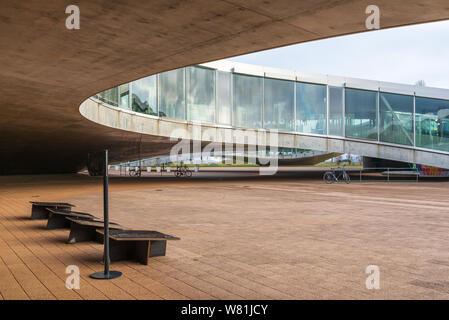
{"x":106,"y":274}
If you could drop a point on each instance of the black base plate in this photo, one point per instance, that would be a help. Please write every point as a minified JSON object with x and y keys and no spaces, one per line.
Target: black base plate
{"x":102,"y":275}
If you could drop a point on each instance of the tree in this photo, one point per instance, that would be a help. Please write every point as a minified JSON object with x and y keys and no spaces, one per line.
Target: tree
{"x":420,"y":83}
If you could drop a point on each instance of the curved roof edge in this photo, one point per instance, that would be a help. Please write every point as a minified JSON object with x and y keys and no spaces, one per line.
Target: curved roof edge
{"x":327,"y":79}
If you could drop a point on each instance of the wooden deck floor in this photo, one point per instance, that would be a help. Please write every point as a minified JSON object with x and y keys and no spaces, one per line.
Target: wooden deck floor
{"x":241,"y":239}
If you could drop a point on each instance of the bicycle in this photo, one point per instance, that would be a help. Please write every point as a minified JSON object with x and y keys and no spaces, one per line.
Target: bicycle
{"x":183,"y":171}
{"x":335,"y":174}
{"x":135,"y":173}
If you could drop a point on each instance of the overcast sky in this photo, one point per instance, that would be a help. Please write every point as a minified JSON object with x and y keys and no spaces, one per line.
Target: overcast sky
{"x":403,"y":55}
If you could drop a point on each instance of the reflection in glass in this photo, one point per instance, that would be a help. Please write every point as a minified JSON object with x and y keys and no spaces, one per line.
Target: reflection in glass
{"x":200,"y":94}
{"x":336,"y":111}
{"x":396,"y":118}
{"x":311,"y":108}
{"x":247,"y":109}
{"x":278,"y":104}
{"x":171,"y":94}
{"x":238,"y":97}
{"x":432,"y":123}
{"x":224,"y":97}
{"x":144,"y":95}
{"x":361,"y":114}
{"x":109,"y":96}
{"x":124,"y":95}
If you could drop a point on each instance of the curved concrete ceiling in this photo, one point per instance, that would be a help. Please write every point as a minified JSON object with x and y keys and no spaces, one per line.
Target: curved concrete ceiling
{"x":47,"y":70}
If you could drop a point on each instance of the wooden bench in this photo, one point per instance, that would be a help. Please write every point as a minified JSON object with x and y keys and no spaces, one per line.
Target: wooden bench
{"x":57,"y":219}
{"x":86,"y":230}
{"x":136,"y":244}
{"x":39,"y":209}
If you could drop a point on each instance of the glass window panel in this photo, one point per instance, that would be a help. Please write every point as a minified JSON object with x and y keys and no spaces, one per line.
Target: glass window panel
{"x":124,"y":95}
{"x":278,"y":104}
{"x":361,"y":114}
{"x":200,"y":94}
{"x":396,"y":118}
{"x":144,"y":95}
{"x":224,"y":97}
{"x":432,"y":123}
{"x":336,"y":111}
{"x":311,"y":108}
{"x":247,"y":109}
{"x":109,"y":96}
{"x":171,"y":99}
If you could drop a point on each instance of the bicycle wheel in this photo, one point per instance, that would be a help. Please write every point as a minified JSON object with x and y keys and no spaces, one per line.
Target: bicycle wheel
{"x":329,"y":177}
{"x":188,"y":173}
{"x":346,"y":177}
{"x":178,"y":174}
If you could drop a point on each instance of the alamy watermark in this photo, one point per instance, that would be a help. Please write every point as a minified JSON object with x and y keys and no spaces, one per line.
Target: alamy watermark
{"x":73,"y":280}
{"x":372,"y":22}
{"x":373,"y":280}
{"x":249,"y":146}
{"x":73,"y":20}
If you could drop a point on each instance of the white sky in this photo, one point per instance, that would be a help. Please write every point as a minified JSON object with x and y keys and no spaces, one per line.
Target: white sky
{"x":404,"y":55}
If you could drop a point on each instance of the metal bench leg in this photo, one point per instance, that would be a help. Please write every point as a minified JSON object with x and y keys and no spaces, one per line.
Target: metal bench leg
{"x":57,"y":222}
{"x":142,"y":251}
{"x":99,"y":238}
{"x":157,"y":248}
{"x":81,"y":233}
{"x":38,"y":213}
{"x":136,"y":250}
{"x":120,"y":250}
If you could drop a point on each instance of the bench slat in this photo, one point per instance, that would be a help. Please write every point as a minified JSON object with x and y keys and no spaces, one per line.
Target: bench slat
{"x":138,"y":235}
{"x":96,"y":223}
{"x":51,"y":204}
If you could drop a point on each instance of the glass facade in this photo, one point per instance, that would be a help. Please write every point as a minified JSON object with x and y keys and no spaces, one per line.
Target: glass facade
{"x":144,"y":95}
{"x":336,"y":111}
{"x":247,"y":108}
{"x":432,"y":123}
{"x":224,"y":97}
{"x":361,"y":114}
{"x":396,"y":118}
{"x":109,"y":96}
{"x":123,"y":91}
{"x":171,"y":94}
{"x":278,"y":112}
{"x":311,"y":108}
{"x":200,"y":94}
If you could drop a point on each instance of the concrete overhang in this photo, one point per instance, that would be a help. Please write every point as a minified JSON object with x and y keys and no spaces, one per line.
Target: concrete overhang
{"x":48,"y":71}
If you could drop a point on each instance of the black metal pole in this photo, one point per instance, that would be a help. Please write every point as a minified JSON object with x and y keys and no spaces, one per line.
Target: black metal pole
{"x":106,"y":274}
{"x":106,"y":213}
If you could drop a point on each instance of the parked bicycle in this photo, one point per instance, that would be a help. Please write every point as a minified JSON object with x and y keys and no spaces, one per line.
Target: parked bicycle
{"x":336,"y":174}
{"x":135,"y":172}
{"x":183,"y":171}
